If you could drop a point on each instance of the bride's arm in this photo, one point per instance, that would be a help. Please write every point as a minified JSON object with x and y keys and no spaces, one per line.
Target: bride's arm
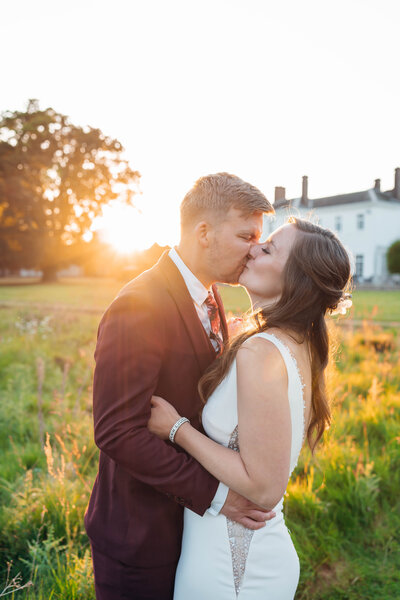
{"x":260,"y":471}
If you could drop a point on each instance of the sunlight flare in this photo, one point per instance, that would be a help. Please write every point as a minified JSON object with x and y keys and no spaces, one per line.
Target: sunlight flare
{"x":125,"y":228}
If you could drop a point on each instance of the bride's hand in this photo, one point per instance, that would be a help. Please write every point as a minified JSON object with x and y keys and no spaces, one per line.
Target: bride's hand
{"x":163,"y":417}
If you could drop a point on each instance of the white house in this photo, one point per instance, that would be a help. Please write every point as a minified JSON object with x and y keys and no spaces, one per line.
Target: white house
{"x":367,"y":222}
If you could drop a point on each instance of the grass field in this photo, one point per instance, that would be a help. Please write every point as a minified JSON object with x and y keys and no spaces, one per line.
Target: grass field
{"x":378,"y":306}
{"x":342,"y":507}
{"x":94,"y":295}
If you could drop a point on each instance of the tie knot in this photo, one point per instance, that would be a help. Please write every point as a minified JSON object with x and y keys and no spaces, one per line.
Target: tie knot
{"x":210,"y":302}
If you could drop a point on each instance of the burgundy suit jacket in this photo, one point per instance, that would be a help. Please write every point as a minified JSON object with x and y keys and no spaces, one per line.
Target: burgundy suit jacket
{"x":150,"y":341}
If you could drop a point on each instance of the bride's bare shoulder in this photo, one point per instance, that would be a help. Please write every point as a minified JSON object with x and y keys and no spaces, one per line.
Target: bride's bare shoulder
{"x":259,"y":363}
{"x":257,"y":349}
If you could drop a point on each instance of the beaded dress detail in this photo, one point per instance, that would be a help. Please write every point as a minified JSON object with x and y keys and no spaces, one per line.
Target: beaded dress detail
{"x":239,"y":536}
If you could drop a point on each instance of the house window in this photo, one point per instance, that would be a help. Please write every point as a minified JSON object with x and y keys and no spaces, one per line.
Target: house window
{"x":338,"y":223}
{"x":360,"y":221}
{"x":359,"y":266}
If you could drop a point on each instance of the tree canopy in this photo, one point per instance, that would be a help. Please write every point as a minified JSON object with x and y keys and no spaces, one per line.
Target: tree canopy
{"x":393,"y":258}
{"x":54,"y":179}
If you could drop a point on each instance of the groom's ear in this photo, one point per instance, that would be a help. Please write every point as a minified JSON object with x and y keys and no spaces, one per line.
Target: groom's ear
{"x":203,"y":233}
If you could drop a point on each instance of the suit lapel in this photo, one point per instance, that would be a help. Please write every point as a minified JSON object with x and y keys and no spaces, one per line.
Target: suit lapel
{"x":201,"y":343}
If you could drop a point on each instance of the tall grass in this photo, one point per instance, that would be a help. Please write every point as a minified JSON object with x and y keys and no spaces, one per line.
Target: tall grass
{"x":48,"y":459}
{"x":342,"y":506}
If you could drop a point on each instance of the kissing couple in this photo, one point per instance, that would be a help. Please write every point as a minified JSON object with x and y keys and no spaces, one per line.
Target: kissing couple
{"x":199,"y":433}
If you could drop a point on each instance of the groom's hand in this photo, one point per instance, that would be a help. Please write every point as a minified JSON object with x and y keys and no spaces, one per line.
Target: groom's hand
{"x":243,"y":511}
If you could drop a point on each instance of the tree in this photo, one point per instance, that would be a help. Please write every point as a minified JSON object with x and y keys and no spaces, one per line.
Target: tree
{"x":54,"y":179}
{"x":393,"y":258}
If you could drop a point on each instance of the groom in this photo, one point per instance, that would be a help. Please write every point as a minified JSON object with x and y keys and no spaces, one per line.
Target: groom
{"x":158,"y":337}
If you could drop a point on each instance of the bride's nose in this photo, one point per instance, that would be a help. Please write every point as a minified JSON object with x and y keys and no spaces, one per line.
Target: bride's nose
{"x":255,"y":250}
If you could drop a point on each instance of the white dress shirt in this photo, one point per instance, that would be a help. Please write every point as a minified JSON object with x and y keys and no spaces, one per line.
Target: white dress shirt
{"x":198,"y":294}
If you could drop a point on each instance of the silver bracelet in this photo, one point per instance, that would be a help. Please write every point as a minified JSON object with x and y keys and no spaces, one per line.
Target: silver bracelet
{"x":175,"y":427}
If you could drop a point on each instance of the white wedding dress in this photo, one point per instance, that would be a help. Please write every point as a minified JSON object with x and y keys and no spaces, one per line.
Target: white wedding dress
{"x":220,"y":559}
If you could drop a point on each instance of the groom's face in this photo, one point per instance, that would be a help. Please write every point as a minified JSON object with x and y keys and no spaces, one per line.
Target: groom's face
{"x":232,"y":240}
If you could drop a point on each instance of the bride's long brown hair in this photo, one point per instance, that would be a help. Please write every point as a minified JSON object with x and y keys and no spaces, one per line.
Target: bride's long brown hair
{"x":315,"y":277}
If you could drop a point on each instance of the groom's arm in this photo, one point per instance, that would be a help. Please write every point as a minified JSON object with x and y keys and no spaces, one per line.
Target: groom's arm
{"x":129,"y":355}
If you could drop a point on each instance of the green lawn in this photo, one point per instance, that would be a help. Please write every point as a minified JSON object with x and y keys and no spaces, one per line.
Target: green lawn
{"x":95,"y":294}
{"x":376,"y":305}
{"x":90,"y":293}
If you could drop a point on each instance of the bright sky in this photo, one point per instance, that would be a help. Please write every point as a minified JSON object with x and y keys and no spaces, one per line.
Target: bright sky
{"x":269,"y":90}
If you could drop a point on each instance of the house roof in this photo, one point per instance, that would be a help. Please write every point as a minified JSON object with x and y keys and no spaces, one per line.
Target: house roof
{"x":365,"y":196}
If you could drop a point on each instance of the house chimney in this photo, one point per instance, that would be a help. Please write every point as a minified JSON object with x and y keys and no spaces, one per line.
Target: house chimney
{"x":304,"y":191}
{"x":280,"y":193}
{"x":377,"y":186}
{"x":396,"y":190}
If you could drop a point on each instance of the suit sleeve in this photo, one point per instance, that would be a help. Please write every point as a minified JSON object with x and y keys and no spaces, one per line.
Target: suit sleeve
{"x":129,"y":355}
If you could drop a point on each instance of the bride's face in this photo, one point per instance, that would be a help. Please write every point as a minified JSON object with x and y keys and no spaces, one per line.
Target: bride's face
{"x":262,"y":275}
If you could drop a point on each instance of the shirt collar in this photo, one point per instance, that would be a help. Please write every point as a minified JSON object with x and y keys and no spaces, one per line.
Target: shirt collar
{"x":196,"y":289}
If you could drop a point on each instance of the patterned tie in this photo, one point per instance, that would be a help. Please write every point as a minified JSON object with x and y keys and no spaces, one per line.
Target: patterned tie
{"x":215,"y":322}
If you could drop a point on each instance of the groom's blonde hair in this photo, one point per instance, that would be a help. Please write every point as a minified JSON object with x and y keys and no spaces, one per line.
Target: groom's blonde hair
{"x":218,"y":193}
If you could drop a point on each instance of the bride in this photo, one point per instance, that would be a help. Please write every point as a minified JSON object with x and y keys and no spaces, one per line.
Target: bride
{"x":263,"y":396}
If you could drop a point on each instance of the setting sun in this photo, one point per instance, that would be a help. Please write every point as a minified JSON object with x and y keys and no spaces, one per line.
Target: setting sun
{"x":134,"y":228}
{"x":125,"y":228}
